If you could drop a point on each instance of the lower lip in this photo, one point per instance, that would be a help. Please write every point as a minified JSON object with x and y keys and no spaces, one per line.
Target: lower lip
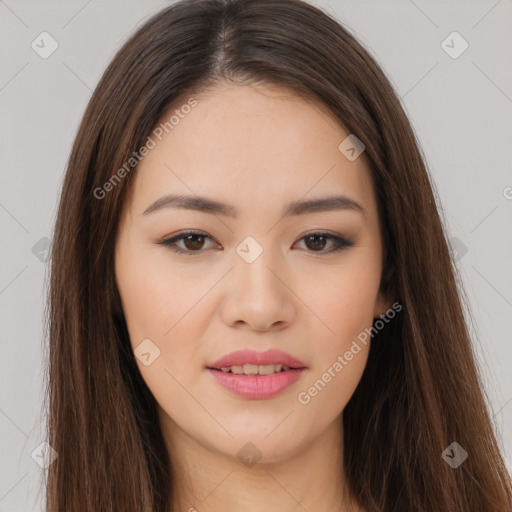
{"x":257,"y":386}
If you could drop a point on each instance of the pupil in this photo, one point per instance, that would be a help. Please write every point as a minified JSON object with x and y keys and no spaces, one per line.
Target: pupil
{"x":195,"y":245}
{"x":318,"y":236}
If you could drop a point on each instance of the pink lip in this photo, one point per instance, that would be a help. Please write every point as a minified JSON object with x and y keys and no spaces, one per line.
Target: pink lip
{"x":257,"y":386}
{"x":271,"y":356}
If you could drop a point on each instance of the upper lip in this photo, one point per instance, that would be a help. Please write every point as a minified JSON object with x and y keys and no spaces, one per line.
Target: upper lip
{"x":247,"y":356}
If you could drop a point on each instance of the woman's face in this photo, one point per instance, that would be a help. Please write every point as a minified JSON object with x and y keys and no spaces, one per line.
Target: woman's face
{"x":252,"y":277}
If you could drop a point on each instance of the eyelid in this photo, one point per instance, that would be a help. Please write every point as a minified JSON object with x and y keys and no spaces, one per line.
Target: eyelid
{"x":340,"y":241}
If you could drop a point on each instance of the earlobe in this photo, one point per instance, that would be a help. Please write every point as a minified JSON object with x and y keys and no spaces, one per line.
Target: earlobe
{"x":382,"y":305}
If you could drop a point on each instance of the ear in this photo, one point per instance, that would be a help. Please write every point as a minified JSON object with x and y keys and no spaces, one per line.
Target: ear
{"x":385,"y":297}
{"x":387,"y":293}
{"x":382,"y":304}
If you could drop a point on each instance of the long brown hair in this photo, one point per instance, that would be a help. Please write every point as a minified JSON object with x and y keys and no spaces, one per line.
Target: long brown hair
{"x":420,"y":390}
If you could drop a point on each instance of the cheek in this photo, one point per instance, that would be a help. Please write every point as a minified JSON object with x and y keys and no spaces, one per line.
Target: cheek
{"x":163,"y":308}
{"x":339,"y":359}
{"x":155,"y":301}
{"x":343,"y":300}
{"x":345,"y":304}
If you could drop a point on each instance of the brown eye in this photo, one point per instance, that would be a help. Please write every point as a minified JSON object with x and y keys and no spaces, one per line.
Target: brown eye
{"x":193,"y":242}
{"x":315,"y":242}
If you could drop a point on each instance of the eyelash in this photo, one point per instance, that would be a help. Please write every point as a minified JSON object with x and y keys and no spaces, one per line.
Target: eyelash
{"x":341,"y":243}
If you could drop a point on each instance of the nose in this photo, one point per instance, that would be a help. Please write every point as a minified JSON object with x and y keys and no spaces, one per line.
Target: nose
{"x":257,"y":296}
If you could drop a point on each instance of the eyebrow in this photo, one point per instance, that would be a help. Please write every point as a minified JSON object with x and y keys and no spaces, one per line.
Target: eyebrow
{"x":211,"y":206}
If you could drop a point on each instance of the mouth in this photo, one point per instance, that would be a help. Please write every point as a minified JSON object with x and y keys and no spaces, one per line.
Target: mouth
{"x":253,"y":369}
{"x":253,"y":362}
{"x":254,"y":375}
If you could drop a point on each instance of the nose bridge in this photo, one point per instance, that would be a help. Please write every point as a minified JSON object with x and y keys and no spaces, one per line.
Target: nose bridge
{"x":257,"y":293}
{"x":255,"y":268}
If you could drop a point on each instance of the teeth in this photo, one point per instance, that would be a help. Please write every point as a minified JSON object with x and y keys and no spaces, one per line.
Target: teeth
{"x":267,"y":369}
{"x":253,"y":369}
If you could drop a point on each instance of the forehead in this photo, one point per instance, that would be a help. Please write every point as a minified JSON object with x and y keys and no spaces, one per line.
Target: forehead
{"x":250,"y":146}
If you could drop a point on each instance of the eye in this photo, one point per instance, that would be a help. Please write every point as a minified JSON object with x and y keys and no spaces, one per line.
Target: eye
{"x":318,"y":240}
{"x":194,"y":241}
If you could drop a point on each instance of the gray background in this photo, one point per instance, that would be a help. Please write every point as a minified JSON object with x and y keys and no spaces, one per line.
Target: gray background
{"x":460,"y":109}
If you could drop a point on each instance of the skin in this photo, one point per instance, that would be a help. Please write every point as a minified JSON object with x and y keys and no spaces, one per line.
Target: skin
{"x":256,"y":148}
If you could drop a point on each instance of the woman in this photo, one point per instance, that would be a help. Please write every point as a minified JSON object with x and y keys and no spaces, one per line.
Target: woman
{"x":252,"y":300}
